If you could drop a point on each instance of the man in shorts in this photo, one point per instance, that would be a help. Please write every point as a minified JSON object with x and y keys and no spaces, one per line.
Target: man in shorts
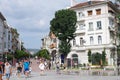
{"x":26,"y":65}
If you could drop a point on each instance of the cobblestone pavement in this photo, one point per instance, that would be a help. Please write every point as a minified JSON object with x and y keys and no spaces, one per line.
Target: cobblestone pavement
{"x":65,"y":75}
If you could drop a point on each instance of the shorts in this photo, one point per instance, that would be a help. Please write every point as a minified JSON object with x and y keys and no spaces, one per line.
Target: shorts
{"x":18,"y":71}
{"x":7,"y":75}
{"x":26,"y":70}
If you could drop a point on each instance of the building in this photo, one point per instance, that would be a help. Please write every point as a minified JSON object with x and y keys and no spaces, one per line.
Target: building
{"x":97,"y":29}
{"x":2,"y":20}
{"x":50,"y":43}
{"x":9,"y":38}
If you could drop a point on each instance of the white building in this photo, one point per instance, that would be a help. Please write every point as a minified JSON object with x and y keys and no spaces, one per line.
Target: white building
{"x":97,"y":27}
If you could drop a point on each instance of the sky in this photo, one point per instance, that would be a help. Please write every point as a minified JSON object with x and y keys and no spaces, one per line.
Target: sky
{"x":32,"y":18}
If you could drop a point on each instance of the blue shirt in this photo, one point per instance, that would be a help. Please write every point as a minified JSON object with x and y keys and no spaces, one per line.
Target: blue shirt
{"x":26,"y":65}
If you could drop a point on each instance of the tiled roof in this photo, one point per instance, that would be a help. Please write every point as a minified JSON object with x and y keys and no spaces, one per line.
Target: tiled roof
{"x":88,"y":3}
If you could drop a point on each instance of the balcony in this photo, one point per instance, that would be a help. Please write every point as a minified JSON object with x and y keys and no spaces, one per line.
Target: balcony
{"x":111,"y":28}
{"x":110,"y":15}
{"x":81,"y":19}
{"x":78,"y":48}
{"x":80,"y":31}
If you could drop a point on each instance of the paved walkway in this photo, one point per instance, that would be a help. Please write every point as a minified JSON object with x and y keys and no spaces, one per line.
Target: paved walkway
{"x":65,"y":75}
{"x":51,"y":75}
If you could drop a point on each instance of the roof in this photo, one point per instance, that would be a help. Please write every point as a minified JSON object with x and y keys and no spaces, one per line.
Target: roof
{"x":2,"y":17}
{"x":88,"y":3}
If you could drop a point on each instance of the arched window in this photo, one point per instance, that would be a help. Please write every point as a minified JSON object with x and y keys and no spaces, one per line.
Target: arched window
{"x":91,"y":40}
{"x":75,"y":60}
{"x":81,"y":41}
{"x":99,"y":40}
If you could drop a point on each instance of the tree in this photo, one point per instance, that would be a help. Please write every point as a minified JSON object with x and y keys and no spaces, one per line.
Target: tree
{"x":19,"y":54}
{"x":103,"y":57}
{"x":117,"y":0}
{"x":96,"y":58}
{"x":43,"y":53}
{"x":63,"y":26}
{"x":89,"y":56}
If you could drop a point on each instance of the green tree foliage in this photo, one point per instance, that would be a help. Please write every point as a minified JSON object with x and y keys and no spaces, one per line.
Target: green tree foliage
{"x":103,"y":57}
{"x":63,"y":26}
{"x":43,"y":53}
{"x":21,"y":54}
{"x":9,"y":56}
{"x":117,"y":0}
{"x":89,"y":56}
{"x":96,"y":59}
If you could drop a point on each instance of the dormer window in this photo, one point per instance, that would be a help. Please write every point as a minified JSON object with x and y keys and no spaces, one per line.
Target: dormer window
{"x":98,"y":11}
{"x":90,"y":13}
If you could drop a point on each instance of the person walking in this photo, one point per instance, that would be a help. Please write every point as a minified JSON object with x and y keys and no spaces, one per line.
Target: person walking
{"x":49,"y":65}
{"x":41,"y":67}
{"x":58,"y":68}
{"x":19,"y":69}
{"x":8,"y":70}
{"x":26,"y":65}
{"x":1,"y":71}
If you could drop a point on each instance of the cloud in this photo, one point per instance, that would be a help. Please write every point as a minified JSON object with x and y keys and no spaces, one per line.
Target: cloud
{"x":32,"y":17}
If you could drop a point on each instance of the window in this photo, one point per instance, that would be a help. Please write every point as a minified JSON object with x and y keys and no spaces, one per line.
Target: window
{"x":74,"y":42}
{"x":90,"y":13}
{"x":81,"y":41}
{"x":0,"y":45}
{"x":81,"y":26}
{"x":111,"y":22}
{"x":99,"y":25}
{"x":9,"y":37}
{"x":80,"y":14}
{"x":90,"y":26}
{"x":91,"y":40}
{"x":99,"y":40}
{"x":98,"y":11}
{"x":4,"y":44}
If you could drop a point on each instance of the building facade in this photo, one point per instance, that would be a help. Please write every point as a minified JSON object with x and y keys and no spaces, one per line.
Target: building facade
{"x":9,"y":38}
{"x":97,"y":29}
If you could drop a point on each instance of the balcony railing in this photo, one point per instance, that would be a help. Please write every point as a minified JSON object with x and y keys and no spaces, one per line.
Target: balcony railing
{"x":79,"y":48}
{"x":80,"y":31}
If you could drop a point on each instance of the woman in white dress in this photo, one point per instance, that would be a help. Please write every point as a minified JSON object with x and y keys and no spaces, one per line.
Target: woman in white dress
{"x":42,"y":67}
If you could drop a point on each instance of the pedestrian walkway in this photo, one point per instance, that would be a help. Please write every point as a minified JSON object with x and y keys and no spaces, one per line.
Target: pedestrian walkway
{"x":34,"y":66}
{"x":51,"y":75}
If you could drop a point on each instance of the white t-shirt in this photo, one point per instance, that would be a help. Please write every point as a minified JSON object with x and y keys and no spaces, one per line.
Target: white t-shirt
{"x":7,"y":68}
{"x":42,"y":66}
